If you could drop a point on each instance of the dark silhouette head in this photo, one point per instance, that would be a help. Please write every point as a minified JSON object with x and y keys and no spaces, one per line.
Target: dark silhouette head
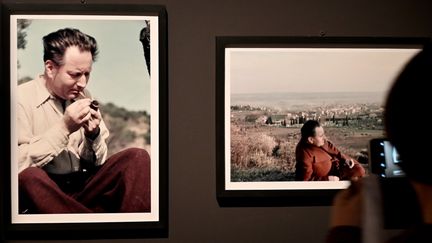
{"x":406,"y":112}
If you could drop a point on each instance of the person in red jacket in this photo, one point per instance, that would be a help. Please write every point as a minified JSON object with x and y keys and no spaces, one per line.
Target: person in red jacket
{"x":319,"y":160}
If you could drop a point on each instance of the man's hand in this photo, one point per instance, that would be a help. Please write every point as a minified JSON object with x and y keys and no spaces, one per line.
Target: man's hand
{"x":350,"y":163}
{"x":333,"y":178}
{"x":91,"y":128}
{"x":77,"y":114}
{"x":347,"y":206}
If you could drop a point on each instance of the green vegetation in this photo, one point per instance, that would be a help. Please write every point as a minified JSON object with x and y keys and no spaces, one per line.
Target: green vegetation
{"x":266,"y":174}
{"x":127,"y":128}
{"x":120,"y":112}
{"x":259,"y":156}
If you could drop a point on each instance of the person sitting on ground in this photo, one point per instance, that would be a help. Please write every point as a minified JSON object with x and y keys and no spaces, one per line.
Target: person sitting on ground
{"x":62,"y":149}
{"x":317,"y":159}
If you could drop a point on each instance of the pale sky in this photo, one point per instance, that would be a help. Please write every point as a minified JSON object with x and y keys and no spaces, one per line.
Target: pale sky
{"x":119,"y":74}
{"x":267,"y":70}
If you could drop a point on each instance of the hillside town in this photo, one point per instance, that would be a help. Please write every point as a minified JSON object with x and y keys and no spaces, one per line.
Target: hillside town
{"x":362,"y":116}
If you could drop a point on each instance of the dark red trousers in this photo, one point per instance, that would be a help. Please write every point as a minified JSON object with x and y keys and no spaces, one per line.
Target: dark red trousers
{"x":121,"y":184}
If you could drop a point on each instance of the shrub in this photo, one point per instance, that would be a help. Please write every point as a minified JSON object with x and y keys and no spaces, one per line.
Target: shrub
{"x":251,"y":150}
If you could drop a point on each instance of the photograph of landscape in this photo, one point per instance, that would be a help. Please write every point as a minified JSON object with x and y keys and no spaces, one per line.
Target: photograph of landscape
{"x":271,"y":92}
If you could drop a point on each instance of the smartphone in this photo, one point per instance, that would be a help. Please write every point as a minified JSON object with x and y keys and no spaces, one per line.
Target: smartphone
{"x":399,"y":201}
{"x":384,"y":159}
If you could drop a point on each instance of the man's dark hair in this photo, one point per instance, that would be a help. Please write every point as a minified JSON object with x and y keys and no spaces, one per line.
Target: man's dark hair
{"x":56,"y":43}
{"x":405,"y":115}
{"x":308,"y":129}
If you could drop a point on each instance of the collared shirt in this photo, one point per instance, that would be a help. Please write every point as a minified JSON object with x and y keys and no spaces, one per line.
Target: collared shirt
{"x":43,"y":140}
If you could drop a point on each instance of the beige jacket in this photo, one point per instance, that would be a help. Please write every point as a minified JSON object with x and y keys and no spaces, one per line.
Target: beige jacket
{"x":42,"y":140}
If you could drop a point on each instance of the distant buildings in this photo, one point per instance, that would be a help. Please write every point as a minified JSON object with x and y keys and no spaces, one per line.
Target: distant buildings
{"x":353,"y":115}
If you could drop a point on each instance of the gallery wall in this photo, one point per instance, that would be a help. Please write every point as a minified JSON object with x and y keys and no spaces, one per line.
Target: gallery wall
{"x":194,"y":214}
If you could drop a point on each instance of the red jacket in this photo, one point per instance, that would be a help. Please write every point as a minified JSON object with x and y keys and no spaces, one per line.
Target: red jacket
{"x":317,"y":163}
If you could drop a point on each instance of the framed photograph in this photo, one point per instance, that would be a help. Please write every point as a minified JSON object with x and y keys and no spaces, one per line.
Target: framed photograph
{"x":295,"y":114}
{"x":85,"y":153}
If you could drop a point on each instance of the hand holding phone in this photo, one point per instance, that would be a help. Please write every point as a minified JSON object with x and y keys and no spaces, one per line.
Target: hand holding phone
{"x":396,"y":191}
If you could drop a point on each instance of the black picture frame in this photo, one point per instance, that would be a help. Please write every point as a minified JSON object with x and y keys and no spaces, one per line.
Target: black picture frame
{"x":239,"y":61}
{"x":151,"y":225}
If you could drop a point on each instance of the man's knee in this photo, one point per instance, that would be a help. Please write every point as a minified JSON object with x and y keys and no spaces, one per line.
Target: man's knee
{"x":31,"y":175}
{"x":136,"y":158}
{"x":136,"y":155}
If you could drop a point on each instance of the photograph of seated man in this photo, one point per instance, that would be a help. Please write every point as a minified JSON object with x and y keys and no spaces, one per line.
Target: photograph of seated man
{"x":62,"y":148}
{"x":317,"y":159}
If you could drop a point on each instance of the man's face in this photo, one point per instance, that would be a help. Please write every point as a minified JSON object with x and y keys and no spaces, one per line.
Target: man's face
{"x":319,"y":138}
{"x":69,"y":79}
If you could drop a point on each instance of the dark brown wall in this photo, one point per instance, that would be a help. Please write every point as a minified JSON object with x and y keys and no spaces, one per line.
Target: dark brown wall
{"x":193,"y":25}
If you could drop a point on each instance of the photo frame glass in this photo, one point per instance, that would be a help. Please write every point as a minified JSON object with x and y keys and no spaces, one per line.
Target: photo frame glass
{"x":128,"y":79}
{"x":268,"y":87}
